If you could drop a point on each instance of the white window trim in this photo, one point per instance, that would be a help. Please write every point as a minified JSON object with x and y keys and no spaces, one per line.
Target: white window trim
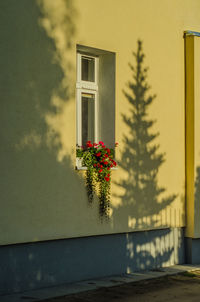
{"x":90,"y":88}
{"x":79,"y":114}
{"x":87,"y":84}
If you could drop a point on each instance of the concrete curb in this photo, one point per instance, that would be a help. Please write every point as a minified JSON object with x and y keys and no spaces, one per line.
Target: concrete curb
{"x":62,"y":290}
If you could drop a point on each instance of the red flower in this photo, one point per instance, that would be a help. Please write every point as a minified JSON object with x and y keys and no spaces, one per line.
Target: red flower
{"x":106,"y":155}
{"x":94,"y":165}
{"x":100,"y":170}
{"x":114,"y":163}
{"x":89,"y":144}
{"x":105,"y":163}
{"x":108,"y":150}
{"x":108,"y":175}
{"x":111,"y":165}
{"x":107,"y":178}
{"x":98,"y":154}
{"x":108,"y":168}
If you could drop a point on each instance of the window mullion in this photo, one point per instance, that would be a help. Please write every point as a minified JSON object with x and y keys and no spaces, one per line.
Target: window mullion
{"x":96,"y":117}
{"x":96,"y":71}
{"x":79,"y":117}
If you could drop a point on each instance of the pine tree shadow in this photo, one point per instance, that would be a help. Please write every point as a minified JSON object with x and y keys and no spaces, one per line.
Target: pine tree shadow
{"x":142,"y":200}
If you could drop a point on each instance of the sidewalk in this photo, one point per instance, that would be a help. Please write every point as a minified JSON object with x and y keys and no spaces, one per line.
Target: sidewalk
{"x":62,"y":290}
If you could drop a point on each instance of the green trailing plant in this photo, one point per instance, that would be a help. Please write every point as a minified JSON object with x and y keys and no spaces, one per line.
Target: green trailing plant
{"x":99,"y":160}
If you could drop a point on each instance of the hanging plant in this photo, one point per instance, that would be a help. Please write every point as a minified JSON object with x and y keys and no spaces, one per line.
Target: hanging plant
{"x":99,"y":160}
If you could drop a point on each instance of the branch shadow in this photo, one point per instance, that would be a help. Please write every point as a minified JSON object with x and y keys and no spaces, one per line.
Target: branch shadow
{"x":38,"y":183}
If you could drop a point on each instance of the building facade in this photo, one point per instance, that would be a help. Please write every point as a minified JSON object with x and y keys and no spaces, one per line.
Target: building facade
{"x":111,"y":71}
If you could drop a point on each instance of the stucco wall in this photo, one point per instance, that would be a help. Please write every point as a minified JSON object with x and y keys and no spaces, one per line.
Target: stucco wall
{"x":28,"y":266}
{"x":42,"y":195}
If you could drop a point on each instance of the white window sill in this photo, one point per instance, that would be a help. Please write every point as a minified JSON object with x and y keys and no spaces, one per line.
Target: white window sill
{"x":80,"y":167}
{"x":85,"y":168}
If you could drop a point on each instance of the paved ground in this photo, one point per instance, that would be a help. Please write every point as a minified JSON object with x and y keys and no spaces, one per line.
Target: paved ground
{"x":184,"y":287}
{"x":164,"y":284}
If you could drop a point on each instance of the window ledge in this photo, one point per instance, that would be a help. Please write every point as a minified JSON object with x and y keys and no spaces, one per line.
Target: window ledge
{"x":85,"y":168}
{"x":80,"y":167}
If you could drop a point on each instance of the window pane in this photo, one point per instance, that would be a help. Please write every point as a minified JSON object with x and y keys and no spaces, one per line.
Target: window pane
{"x":87,"y":118}
{"x":87,"y":69}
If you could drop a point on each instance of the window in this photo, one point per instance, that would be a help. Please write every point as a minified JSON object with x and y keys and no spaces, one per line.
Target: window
{"x":95,"y":96}
{"x":87,"y":99}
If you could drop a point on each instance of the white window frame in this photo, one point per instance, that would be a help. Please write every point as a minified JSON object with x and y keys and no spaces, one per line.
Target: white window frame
{"x":88,"y":88}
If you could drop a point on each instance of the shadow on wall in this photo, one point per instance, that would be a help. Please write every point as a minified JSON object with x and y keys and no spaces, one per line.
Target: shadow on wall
{"x":142,"y":200}
{"x":38,"y":183}
{"x":35,"y":95}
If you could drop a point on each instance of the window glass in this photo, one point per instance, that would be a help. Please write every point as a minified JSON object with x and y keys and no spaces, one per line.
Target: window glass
{"x":88,"y":112}
{"x":87,"y":69}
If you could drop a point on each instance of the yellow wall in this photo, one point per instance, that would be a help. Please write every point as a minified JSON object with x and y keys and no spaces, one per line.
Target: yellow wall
{"x":42,"y":196}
